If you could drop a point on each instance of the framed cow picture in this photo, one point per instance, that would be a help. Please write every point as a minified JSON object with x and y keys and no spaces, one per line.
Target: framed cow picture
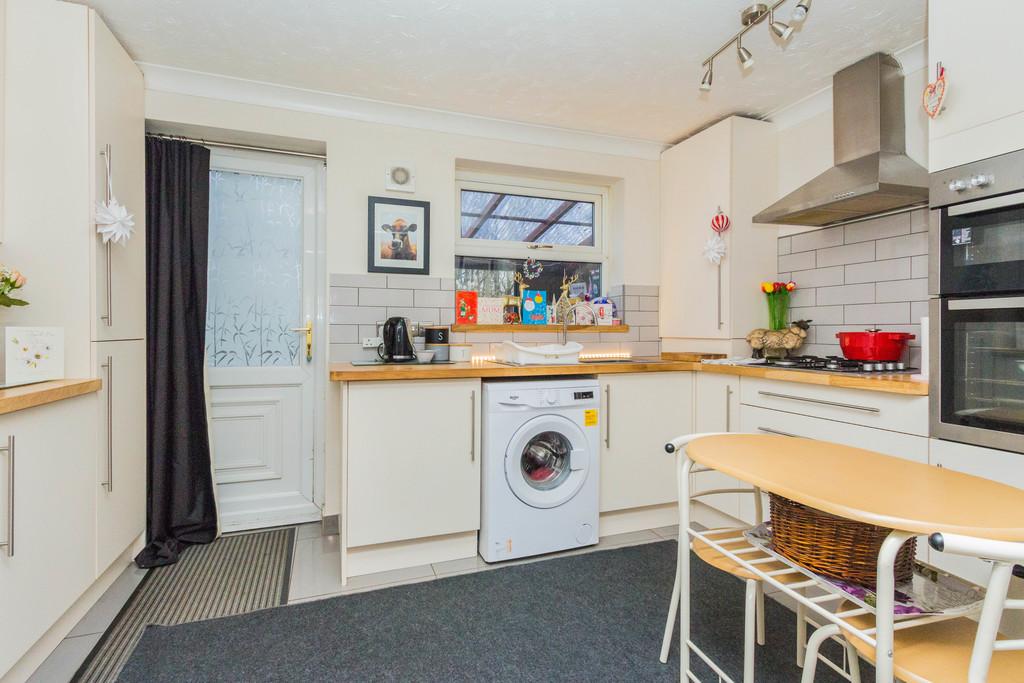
{"x":399,"y":236}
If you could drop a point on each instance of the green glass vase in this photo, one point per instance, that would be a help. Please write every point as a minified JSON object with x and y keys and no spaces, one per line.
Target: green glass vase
{"x":778,"y":310}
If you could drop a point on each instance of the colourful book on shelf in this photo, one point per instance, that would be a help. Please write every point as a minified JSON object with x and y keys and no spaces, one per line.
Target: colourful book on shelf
{"x":535,"y":307}
{"x":465,"y":308}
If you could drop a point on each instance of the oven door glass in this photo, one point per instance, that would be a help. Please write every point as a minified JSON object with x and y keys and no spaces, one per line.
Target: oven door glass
{"x":983,"y":250}
{"x":982,"y":363}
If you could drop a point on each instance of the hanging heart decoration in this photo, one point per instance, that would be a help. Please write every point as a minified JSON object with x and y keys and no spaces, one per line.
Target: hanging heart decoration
{"x":720,"y":222}
{"x":934,"y":94}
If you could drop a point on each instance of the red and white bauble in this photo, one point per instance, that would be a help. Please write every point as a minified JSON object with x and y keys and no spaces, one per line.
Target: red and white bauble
{"x":720,"y":223}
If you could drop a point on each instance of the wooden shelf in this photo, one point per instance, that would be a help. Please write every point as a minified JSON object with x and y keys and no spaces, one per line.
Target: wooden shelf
{"x":538,"y":328}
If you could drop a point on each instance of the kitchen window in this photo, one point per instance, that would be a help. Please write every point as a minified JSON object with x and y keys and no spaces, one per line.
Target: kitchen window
{"x":503,"y":221}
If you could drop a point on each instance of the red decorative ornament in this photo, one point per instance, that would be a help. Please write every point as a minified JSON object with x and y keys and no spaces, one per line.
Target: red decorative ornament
{"x":720,"y":223}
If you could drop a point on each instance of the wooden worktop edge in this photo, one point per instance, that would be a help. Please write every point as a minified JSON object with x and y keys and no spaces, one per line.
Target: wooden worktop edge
{"x":33,"y":395}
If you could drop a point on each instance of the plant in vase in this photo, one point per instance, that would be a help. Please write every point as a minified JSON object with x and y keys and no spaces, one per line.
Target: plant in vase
{"x":777,"y":294}
{"x":11,"y":280}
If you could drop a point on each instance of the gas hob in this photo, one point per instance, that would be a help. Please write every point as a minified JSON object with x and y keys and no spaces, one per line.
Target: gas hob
{"x":837,"y":364}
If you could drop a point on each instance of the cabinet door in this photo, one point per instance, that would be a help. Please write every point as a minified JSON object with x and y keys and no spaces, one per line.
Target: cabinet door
{"x":120,"y":475}
{"x":413,"y":459}
{"x":717,"y":409}
{"x":641,"y":413}
{"x":695,"y":183}
{"x":54,"y":524}
{"x":118,"y":133}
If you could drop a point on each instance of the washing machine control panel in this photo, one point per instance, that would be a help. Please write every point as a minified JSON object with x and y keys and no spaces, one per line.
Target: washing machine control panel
{"x":548,"y":397}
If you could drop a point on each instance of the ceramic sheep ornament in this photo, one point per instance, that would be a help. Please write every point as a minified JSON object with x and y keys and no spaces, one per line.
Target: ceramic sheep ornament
{"x":778,"y":342}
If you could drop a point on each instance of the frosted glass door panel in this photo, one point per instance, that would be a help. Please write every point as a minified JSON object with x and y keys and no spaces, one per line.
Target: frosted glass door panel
{"x":254,"y":295}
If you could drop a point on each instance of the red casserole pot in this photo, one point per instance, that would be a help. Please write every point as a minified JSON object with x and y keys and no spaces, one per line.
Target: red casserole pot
{"x":873,"y":345}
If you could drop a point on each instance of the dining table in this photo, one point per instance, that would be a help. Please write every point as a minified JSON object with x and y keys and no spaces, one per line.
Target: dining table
{"x":909,"y":498}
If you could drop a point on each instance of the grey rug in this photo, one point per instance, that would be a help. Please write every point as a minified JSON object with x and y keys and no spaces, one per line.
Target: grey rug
{"x":591,"y":617}
{"x":233,"y":575}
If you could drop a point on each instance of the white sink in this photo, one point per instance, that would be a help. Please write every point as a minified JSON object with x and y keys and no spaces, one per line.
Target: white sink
{"x":548,"y":354}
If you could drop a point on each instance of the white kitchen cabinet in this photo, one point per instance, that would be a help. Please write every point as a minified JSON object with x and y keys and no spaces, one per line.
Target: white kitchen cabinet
{"x":640,"y":413}
{"x":984,"y":115}
{"x":732,"y":166}
{"x":413,"y":459}
{"x":717,"y":409}
{"x":54,"y":524}
{"x":1001,"y":466}
{"x":118,"y":137}
{"x":120,"y":477}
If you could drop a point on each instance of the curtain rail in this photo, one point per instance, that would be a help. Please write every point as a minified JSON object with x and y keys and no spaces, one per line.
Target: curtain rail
{"x":232,"y":145}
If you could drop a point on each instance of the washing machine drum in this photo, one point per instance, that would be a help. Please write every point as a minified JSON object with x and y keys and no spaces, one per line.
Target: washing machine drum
{"x":547,"y":461}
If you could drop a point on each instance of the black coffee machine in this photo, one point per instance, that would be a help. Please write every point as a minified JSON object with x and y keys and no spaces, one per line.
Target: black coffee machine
{"x":397,"y":346}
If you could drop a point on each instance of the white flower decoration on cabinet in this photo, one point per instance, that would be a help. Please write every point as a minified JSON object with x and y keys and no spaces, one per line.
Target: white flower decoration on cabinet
{"x":113,"y":221}
{"x":714,"y":249}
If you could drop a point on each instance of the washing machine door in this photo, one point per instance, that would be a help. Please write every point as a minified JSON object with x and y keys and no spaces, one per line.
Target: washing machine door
{"x":547,"y":461}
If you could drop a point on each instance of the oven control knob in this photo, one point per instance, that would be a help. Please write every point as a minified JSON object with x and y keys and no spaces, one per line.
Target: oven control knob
{"x":957,"y":185}
{"x":981,"y":180}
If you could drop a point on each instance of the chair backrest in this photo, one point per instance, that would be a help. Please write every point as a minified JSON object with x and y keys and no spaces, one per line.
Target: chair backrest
{"x":680,"y":443}
{"x":1003,"y":556}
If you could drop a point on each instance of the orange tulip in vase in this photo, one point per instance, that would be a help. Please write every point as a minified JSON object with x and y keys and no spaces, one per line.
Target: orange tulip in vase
{"x":778,"y":303}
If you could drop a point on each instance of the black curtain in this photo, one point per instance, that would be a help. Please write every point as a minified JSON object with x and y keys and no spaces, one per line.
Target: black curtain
{"x":180,"y":504}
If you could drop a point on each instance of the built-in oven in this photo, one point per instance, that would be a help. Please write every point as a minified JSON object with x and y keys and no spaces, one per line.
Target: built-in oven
{"x":976,"y":318}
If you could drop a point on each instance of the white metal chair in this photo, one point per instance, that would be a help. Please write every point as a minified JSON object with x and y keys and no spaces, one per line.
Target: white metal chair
{"x":732,"y":539}
{"x":953,"y":650}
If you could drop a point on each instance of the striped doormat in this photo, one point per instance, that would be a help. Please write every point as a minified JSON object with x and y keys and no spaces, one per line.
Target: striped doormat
{"x":233,"y":575}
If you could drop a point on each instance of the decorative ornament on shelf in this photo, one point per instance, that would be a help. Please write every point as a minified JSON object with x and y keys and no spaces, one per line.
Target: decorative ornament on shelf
{"x":934,"y":95}
{"x":11,"y":280}
{"x":113,"y":221}
{"x":564,"y":303}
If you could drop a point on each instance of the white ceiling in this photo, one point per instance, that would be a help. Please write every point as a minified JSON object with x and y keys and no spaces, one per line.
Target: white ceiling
{"x":604,"y":66}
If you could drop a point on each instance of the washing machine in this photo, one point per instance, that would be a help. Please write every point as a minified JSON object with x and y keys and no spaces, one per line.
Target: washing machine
{"x":539,"y":467}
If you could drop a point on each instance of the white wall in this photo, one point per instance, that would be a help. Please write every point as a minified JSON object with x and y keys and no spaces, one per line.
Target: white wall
{"x":358,"y":153}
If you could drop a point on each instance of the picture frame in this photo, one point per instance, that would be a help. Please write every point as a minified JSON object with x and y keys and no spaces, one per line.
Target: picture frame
{"x":398,"y":236}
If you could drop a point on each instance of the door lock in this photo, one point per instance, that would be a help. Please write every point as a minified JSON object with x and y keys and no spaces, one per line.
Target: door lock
{"x":308,"y":329}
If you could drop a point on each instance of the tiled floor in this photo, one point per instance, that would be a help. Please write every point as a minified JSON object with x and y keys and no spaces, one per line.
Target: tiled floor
{"x":316,"y":574}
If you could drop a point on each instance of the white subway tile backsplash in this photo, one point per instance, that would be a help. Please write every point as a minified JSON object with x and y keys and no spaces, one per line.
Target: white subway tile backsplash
{"x":344,"y":296}
{"x":818,"y":277}
{"x":385,"y":297}
{"x":878,"y":314}
{"x":802,"y":297}
{"x":785,"y":245}
{"x":642,"y":290}
{"x":919,"y":221}
{"x":819,"y":315}
{"x":802,"y":261}
{"x":863,"y":293}
{"x":902,"y":290}
{"x":878,"y":228}
{"x":919,"y":266}
{"x":641,"y":349}
{"x":447,"y":316}
{"x":630,"y":303}
{"x":908,"y":245}
{"x":878,"y":271}
{"x":817,"y":239}
{"x":918,"y":310}
{"x":344,"y":334}
{"x":640,"y":317}
{"x":648,"y":303}
{"x":342,"y":353}
{"x":849,"y":253}
{"x":360,"y":280}
{"x":428,"y":316}
{"x":413,"y":282}
{"x":649,"y":333}
{"x":448,"y":284}
{"x":357,"y":315}
{"x":435,"y":298}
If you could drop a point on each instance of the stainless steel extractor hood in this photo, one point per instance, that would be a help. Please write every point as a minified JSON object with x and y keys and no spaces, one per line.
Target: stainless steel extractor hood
{"x":872,"y":172}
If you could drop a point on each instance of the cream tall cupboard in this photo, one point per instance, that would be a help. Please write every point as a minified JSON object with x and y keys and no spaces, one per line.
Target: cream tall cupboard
{"x":730,"y":166}
{"x":639,"y":414}
{"x":983,"y":116}
{"x":74,"y":101}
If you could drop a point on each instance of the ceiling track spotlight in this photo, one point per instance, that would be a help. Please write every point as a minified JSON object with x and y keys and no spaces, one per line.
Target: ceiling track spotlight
{"x":751,"y":17}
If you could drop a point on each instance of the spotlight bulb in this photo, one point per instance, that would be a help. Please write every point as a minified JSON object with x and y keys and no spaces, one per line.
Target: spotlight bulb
{"x":783,"y":31}
{"x":705,"y":83}
{"x":801,"y":10}
{"x":746,"y":59}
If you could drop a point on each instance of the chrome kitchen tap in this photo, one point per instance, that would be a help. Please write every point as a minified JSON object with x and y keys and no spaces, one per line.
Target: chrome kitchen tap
{"x":565,"y":321}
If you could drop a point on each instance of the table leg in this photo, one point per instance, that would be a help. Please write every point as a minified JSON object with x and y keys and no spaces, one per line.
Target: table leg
{"x":885,"y":605}
{"x":683,"y":567}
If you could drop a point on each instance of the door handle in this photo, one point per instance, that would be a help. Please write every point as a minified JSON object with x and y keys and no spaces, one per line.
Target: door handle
{"x":308,"y":330}
{"x":109,"y":367}
{"x":9,"y":450}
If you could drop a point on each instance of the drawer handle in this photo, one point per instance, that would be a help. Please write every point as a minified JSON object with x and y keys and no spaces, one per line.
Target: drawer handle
{"x":837,"y":404}
{"x":769,"y":430}
{"x":9,"y":451}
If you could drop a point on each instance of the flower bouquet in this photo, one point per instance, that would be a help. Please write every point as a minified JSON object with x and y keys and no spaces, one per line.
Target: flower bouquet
{"x":10,"y":280}
{"x":778,"y":302}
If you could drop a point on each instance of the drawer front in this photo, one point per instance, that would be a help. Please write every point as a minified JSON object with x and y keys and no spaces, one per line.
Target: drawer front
{"x":762,"y":421}
{"x":907,"y":414}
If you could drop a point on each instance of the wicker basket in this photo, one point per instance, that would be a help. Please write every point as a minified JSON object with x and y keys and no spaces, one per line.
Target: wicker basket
{"x":833,"y":546}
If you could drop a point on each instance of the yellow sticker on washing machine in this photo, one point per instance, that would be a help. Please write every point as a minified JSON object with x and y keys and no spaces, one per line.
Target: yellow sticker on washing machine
{"x":590,"y":417}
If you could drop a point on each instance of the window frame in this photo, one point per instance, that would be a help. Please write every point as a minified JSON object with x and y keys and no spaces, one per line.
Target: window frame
{"x":533,"y":187}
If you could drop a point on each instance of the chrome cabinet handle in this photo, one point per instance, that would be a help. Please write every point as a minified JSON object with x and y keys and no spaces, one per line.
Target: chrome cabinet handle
{"x":9,"y":450}
{"x":769,"y":430}
{"x":472,"y":426}
{"x":851,"y":406}
{"x":108,"y":317}
{"x":109,"y":367}
{"x":608,"y":416}
{"x":728,"y":408}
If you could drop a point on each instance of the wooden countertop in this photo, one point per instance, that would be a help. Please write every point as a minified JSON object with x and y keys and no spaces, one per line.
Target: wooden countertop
{"x":866,"y":486}
{"x":894,"y":383}
{"x":32,"y":395}
{"x":346,"y":372}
